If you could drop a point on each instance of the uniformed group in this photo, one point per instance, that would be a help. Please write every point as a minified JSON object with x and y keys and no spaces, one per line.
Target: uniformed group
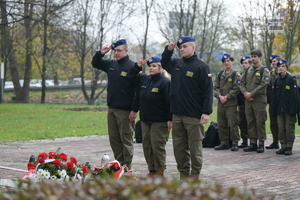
{"x":184,"y":102}
{"x":251,"y":91}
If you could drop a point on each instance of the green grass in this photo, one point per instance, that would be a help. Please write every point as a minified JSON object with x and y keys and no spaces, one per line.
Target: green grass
{"x":21,"y":122}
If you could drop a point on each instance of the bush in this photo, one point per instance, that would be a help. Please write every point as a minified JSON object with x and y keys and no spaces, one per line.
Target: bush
{"x":128,"y":188}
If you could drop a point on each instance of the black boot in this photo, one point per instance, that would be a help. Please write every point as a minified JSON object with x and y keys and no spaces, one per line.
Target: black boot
{"x":274,"y":145}
{"x":152,"y":172}
{"x":281,"y":151}
{"x":222,"y":147}
{"x":288,"y":151}
{"x":260,"y":149}
{"x":234,"y":147}
{"x":251,"y":147}
{"x":243,"y":145}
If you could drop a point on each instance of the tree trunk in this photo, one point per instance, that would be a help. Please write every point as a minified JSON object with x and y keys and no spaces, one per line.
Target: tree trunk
{"x":22,"y":93}
{"x":8,"y":42}
{"x":44,"y":68}
{"x":204,"y":31}
{"x":83,"y":54}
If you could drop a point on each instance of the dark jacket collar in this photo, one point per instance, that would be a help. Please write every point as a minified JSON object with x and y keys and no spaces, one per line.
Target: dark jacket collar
{"x":155,"y":77}
{"x":286,"y":75}
{"x":123,"y":60}
{"x":193,"y":57}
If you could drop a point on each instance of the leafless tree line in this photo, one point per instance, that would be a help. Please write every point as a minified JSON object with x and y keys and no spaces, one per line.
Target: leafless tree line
{"x":45,"y":32}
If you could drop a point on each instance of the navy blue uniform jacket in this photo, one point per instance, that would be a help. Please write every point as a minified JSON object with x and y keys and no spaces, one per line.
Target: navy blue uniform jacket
{"x":284,"y":96}
{"x":153,"y":94}
{"x":121,"y":87}
{"x":191,"y":85}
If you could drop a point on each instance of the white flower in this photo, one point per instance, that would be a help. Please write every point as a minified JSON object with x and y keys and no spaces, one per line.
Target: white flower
{"x":36,"y":176}
{"x":46,"y":175}
{"x":63,"y":173}
{"x":40,"y":172}
{"x":79,"y":177}
{"x":53,"y":178}
{"x":67,"y":178}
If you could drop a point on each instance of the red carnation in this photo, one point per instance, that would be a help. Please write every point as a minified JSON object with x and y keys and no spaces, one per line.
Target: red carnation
{"x":115,"y":165}
{"x":56,"y":162}
{"x":41,"y":160}
{"x":70,"y":165}
{"x":51,"y":155}
{"x":73,"y":160}
{"x":43,"y":155}
{"x":63,"y":157}
{"x":84,"y":169}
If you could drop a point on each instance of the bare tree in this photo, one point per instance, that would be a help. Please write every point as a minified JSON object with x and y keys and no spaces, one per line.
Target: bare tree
{"x":49,"y":11}
{"x":247,"y":28}
{"x":86,"y":42}
{"x":7,"y":51}
{"x":268,"y":37}
{"x":292,"y":26}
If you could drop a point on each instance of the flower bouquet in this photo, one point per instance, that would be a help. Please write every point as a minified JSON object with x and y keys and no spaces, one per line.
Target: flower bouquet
{"x":55,"y":166}
{"x":114,"y":169}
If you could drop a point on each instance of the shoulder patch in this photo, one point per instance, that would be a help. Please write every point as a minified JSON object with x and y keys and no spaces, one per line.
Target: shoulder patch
{"x":209,"y":75}
{"x":239,"y":74}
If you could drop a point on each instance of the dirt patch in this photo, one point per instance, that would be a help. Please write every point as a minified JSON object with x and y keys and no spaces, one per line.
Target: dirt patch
{"x":87,"y":109}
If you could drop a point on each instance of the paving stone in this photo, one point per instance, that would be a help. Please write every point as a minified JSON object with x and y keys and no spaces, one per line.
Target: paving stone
{"x":266,"y":172}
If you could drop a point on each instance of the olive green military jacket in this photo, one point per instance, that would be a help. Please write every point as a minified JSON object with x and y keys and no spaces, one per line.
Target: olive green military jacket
{"x":273,"y":76}
{"x":227,"y":86}
{"x":256,"y":83}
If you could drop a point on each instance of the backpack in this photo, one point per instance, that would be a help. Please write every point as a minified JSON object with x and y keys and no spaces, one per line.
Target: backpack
{"x":138,"y":132}
{"x":232,"y":75}
{"x":211,"y":136}
{"x":261,"y":72}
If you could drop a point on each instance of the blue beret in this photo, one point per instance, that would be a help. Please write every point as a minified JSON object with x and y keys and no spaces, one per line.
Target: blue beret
{"x":225,"y":56}
{"x":272,"y":57}
{"x":154,"y":59}
{"x":118,"y":43}
{"x":185,"y":39}
{"x":280,"y":62}
{"x":244,"y":58}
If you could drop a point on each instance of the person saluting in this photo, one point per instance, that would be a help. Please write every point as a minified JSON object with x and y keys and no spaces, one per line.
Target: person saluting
{"x":191,"y":98}
{"x":156,"y":119}
{"x":120,"y":97}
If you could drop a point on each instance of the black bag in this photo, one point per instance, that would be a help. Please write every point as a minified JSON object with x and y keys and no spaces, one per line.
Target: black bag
{"x":138,"y":132}
{"x":211,"y":136}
